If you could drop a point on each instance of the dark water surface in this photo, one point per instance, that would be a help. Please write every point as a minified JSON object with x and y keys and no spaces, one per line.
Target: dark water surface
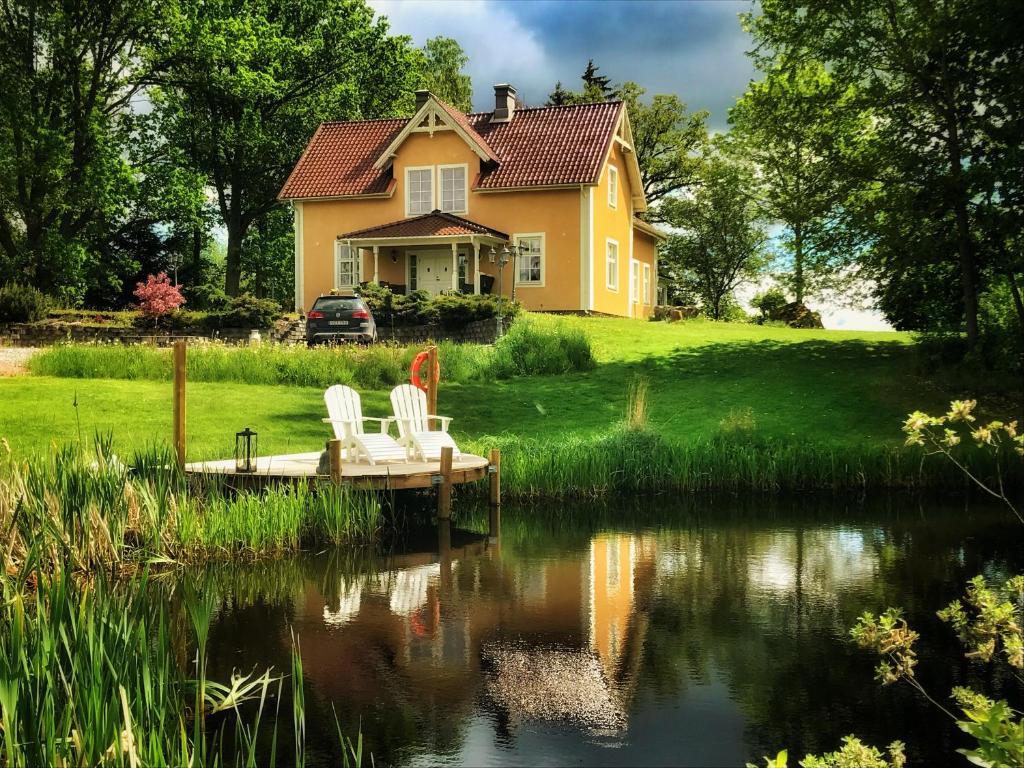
{"x":703,"y":635}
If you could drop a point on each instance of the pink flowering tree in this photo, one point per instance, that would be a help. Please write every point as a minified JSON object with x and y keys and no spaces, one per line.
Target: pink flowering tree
{"x":157,"y":296}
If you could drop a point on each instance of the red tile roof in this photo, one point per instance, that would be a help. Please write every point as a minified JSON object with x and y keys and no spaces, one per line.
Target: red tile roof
{"x":434,"y":224}
{"x":460,"y":118}
{"x":548,"y":146}
{"x":339,"y":161}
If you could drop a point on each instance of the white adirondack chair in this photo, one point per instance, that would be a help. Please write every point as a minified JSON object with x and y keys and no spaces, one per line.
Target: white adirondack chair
{"x":410,"y":406}
{"x":345,"y":415}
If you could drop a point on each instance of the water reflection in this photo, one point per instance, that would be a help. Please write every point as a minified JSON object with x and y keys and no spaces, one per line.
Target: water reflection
{"x":685,"y":642}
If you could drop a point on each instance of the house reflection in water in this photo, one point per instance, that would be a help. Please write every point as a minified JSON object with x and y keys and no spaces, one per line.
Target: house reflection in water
{"x":555,"y":641}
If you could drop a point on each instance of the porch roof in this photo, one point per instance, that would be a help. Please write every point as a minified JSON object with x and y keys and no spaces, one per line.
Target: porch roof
{"x":436,"y":225}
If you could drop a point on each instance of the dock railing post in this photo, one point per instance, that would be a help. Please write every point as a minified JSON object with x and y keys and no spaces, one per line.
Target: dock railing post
{"x":432,"y":384}
{"x":334,"y":458}
{"x":494,"y":476}
{"x":444,"y":491}
{"x":178,"y":408}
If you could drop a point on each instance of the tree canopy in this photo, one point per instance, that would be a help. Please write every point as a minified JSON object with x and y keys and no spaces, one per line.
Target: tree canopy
{"x":444,"y":61}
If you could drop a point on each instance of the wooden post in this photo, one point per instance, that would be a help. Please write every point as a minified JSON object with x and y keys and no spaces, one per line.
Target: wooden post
{"x":495,"y":483}
{"x":179,"y":403}
{"x":432,"y":384}
{"x":334,"y":457}
{"x":444,"y":491}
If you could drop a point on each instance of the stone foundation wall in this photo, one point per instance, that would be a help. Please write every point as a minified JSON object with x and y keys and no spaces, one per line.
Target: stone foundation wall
{"x":48,"y":334}
{"x":476,"y":332}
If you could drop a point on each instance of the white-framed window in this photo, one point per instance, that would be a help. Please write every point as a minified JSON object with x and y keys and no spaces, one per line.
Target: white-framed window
{"x":411,"y":261}
{"x":613,"y":187}
{"x":530,"y":262}
{"x":346,"y":266}
{"x":647,"y":284}
{"x":419,"y":190}
{"x":611,"y":261}
{"x":453,"y":188}
{"x":462,"y":261}
{"x":634,"y":281}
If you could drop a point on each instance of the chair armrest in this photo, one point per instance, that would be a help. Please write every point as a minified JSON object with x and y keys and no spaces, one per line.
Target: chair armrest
{"x":385,"y":423}
{"x":445,"y":421}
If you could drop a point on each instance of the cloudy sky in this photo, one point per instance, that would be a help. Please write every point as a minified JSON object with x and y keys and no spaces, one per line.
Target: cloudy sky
{"x":695,"y":49}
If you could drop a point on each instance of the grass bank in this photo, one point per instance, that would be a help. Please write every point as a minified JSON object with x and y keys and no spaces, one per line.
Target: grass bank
{"x":728,"y":406}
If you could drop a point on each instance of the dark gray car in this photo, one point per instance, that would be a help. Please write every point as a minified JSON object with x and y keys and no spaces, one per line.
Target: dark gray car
{"x":340,"y":318}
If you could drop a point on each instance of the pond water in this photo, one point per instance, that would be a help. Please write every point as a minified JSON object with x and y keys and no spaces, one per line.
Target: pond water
{"x":698,"y":635}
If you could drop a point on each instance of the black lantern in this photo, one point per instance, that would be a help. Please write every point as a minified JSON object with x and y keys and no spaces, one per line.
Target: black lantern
{"x":245,"y":451}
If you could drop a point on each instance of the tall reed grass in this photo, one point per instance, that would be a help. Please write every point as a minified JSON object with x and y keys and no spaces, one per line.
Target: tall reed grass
{"x":91,"y":674}
{"x":95,"y":513}
{"x":528,"y":348}
{"x":637,"y":460}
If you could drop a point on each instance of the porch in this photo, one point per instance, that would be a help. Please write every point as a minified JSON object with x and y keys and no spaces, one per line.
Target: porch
{"x":436,"y":252}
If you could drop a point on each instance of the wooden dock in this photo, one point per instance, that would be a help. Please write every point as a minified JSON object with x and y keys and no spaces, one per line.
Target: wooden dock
{"x":378,"y":477}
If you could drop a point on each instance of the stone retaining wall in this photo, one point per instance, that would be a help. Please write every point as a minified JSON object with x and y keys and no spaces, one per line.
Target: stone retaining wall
{"x":48,"y":334}
{"x":476,"y":332}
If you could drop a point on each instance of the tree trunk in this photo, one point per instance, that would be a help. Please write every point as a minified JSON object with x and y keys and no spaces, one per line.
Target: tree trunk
{"x":964,"y":243}
{"x":233,"y":260}
{"x":798,"y":263}
{"x":1018,"y":303}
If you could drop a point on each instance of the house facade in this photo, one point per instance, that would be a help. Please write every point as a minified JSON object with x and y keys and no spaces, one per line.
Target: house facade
{"x":432,"y":201}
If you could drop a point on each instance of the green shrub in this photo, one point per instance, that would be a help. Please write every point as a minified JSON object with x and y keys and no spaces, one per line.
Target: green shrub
{"x":533,"y":348}
{"x":769,"y":302}
{"x":208,"y":297}
{"x":451,"y":311}
{"x":245,"y":311}
{"x":21,"y":304}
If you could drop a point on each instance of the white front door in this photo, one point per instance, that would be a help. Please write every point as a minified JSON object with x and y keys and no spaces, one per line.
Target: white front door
{"x":434,"y":271}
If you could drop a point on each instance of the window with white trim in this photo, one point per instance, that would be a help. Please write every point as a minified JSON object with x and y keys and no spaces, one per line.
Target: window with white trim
{"x":419,"y":195}
{"x":453,"y":188}
{"x":530,"y":259}
{"x":611,"y":261}
{"x":634,"y":281}
{"x":411,"y":258}
{"x":613,"y":187}
{"x":346,"y":266}
{"x":647,"y":284}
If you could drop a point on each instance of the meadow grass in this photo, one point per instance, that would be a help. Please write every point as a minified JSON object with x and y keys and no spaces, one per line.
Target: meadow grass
{"x":530,"y":347}
{"x":733,"y":405}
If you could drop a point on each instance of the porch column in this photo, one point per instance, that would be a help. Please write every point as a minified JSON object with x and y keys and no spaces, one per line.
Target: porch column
{"x":455,"y":267}
{"x":376,"y":265}
{"x":476,"y":267}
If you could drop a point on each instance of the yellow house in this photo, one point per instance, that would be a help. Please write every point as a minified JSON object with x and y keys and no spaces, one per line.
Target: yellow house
{"x":432,"y":201}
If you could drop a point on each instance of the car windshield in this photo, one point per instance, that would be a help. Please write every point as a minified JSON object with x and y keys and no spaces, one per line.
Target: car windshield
{"x":337,"y":303}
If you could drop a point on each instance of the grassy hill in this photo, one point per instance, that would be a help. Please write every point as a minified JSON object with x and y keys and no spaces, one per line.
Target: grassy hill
{"x":844,"y":392}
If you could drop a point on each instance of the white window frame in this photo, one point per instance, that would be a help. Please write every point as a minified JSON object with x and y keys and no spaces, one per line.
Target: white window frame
{"x":411,"y":262}
{"x":516,"y":237}
{"x":355,"y":256}
{"x":613,"y":187}
{"x":465,"y":187}
{"x":611,"y":285}
{"x":634,"y":280}
{"x":408,"y":190}
{"x":647,"y":285}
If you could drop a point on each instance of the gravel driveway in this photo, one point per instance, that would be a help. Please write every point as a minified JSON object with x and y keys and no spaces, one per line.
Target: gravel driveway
{"x":13,"y":360}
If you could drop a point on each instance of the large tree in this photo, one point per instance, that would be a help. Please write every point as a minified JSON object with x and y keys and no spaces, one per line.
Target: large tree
{"x":251,"y":81}
{"x":721,"y":239}
{"x":926,"y":72}
{"x":801,"y":129}
{"x":69,"y":71}
{"x":444,"y":61}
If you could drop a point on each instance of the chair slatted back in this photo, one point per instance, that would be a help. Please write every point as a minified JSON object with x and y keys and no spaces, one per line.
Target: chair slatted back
{"x":410,"y":403}
{"x":343,"y":404}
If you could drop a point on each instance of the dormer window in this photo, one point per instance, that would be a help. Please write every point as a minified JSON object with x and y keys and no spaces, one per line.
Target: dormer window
{"x":419,"y":195}
{"x":453,"y":188}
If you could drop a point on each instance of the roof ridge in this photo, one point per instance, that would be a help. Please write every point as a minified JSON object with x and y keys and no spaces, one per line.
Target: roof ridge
{"x":551,"y":106}
{"x":366,"y":120}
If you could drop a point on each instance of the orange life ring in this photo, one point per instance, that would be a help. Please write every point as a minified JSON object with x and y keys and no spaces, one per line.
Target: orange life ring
{"x":415,"y":375}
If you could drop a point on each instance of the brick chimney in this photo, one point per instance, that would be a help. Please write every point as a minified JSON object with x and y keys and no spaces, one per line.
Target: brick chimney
{"x":421,"y":99}
{"x":504,"y":103}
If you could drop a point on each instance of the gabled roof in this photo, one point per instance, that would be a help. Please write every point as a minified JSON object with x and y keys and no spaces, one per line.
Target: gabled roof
{"x":543,"y":147}
{"x":433,"y":112}
{"x":433,"y":224}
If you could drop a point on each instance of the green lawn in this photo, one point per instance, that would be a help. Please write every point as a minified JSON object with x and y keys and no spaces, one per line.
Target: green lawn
{"x":842,"y":388}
